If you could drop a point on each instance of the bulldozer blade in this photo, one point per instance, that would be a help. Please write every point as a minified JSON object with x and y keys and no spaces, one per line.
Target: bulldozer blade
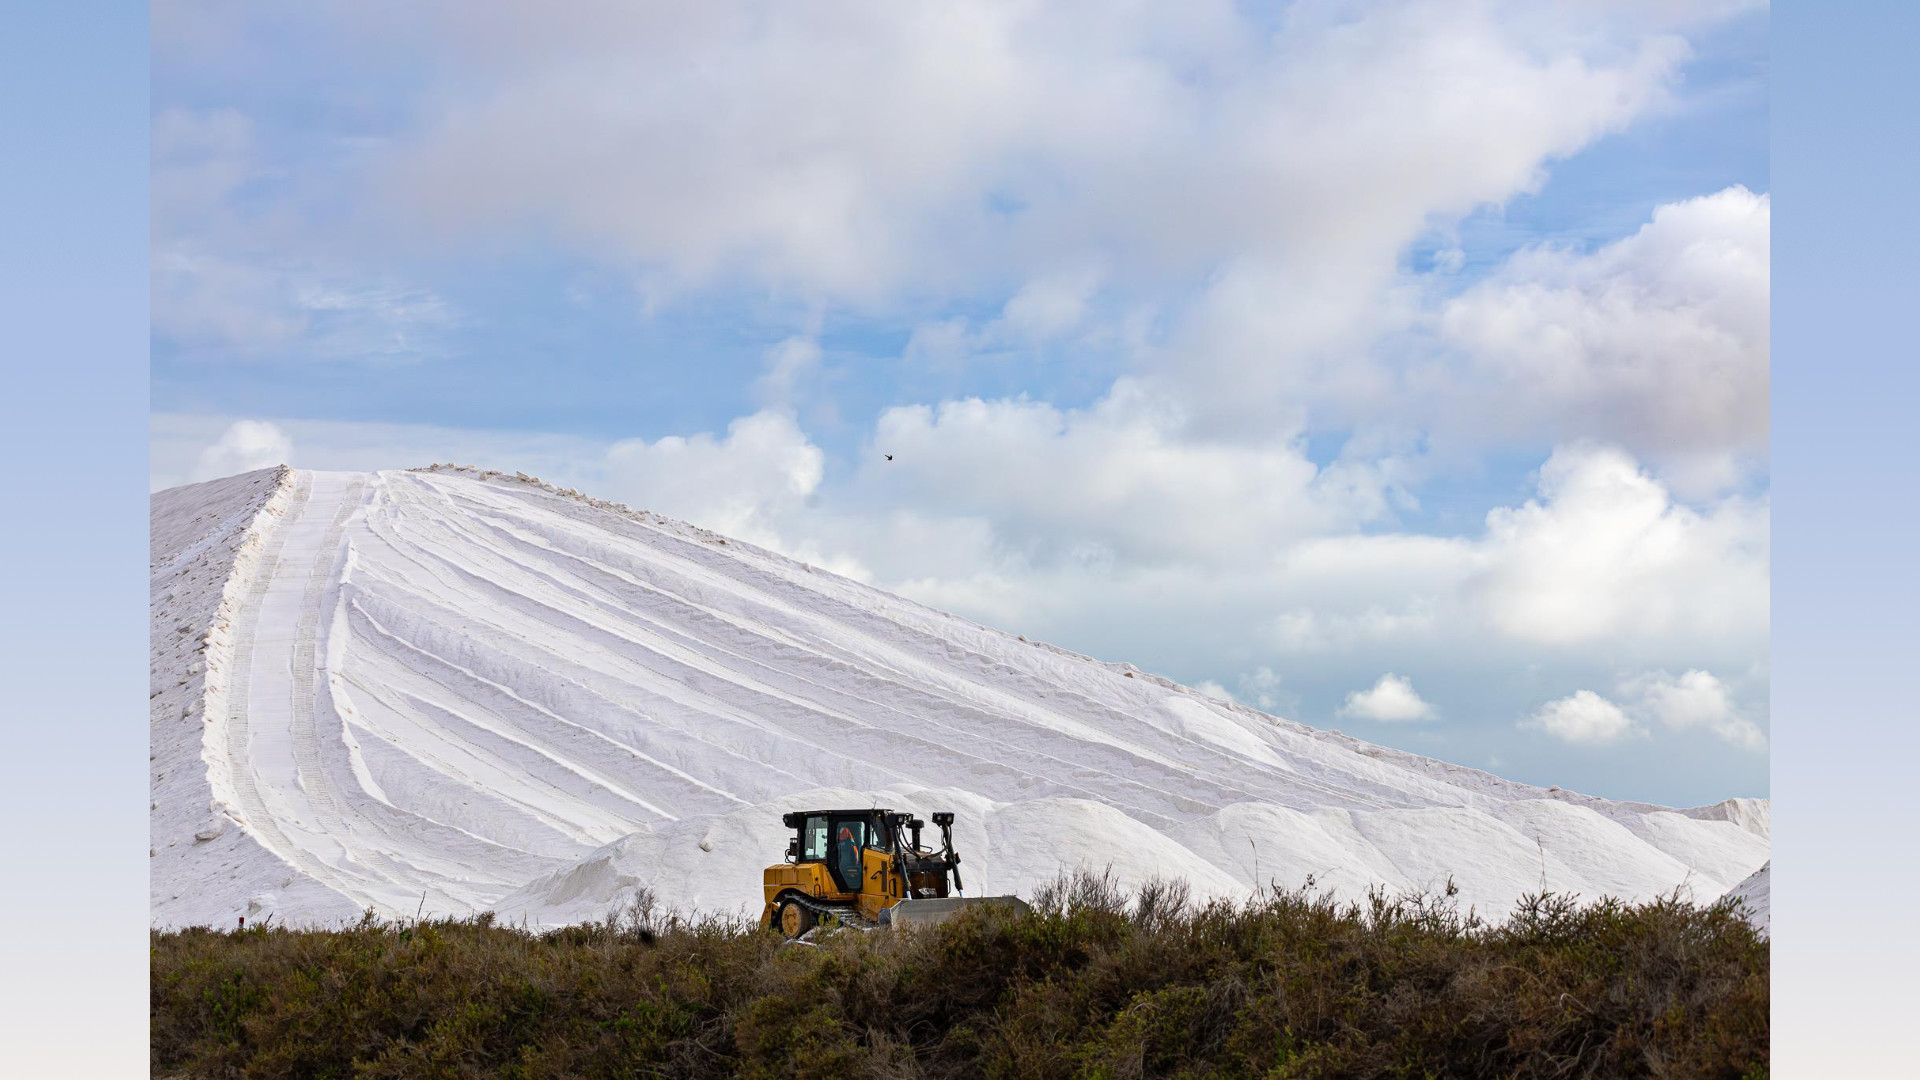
{"x":909,"y":913}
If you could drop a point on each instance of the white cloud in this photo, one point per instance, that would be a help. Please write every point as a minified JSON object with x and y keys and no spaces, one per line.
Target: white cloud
{"x":245,"y":445}
{"x":941,"y":343}
{"x":1214,"y":690}
{"x":1261,"y":686}
{"x":1391,"y":700}
{"x":1308,"y":630}
{"x":1659,"y":340}
{"x":788,"y":365}
{"x":1696,"y":699}
{"x":743,"y":484}
{"x":1222,"y":201}
{"x":1048,"y":308}
{"x":1121,"y":479}
{"x":1606,"y":550}
{"x":858,"y":152}
{"x":1584,"y":718}
{"x":1602,"y":558}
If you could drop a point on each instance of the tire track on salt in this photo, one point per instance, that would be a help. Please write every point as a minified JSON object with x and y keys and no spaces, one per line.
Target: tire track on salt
{"x":259,"y":819}
{"x":308,"y":768}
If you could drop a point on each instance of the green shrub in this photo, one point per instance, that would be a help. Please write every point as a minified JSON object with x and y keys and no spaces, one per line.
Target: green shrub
{"x":1092,"y":983}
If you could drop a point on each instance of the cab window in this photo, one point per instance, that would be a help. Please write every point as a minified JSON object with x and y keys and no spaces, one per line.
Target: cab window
{"x":849,"y":836}
{"x":813,"y":839}
{"x":851,"y":831}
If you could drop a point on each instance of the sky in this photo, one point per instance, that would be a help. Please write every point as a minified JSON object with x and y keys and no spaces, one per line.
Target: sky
{"x":1396,"y":367}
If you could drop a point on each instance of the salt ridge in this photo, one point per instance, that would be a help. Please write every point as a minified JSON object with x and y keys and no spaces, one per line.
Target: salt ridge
{"x":449,"y":690}
{"x":1756,"y":894}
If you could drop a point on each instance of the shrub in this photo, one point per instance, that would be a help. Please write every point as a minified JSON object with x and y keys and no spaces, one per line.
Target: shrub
{"x":1093,"y":983}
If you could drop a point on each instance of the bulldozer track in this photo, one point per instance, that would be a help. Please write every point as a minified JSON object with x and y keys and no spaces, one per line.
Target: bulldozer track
{"x":848,"y":915}
{"x":308,"y":767}
{"x":277,"y":565}
{"x":257,"y":818}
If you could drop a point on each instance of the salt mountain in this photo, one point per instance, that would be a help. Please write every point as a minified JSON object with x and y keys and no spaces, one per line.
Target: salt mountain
{"x":448,"y":691}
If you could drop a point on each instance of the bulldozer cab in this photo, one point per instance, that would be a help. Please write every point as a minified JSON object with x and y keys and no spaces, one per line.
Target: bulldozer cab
{"x":839,"y":839}
{"x":856,"y":865}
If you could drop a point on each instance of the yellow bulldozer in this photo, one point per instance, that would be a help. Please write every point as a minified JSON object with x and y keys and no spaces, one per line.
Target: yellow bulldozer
{"x":866,"y":869}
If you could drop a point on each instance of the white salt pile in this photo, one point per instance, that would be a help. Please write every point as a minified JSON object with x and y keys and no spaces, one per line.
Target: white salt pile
{"x":452,"y":691}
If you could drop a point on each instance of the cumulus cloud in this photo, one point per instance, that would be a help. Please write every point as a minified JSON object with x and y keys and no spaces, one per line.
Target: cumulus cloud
{"x":1123,"y":478}
{"x":1602,"y":554}
{"x":743,"y":484}
{"x":1391,"y":700}
{"x":856,"y":151}
{"x":940,"y":158}
{"x":1607,"y":549}
{"x":1049,"y":308}
{"x":1214,"y":690}
{"x":947,"y":161}
{"x":1049,"y":305}
{"x":1261,"y":686}
{"x":1695,"y":699}
{"x":1585,"y":718}
{"x":1658,"y":340}
{"x":245,"y":445}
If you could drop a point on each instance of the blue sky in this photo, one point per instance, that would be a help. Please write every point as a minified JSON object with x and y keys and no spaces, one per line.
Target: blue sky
{"x":1400,"y":368}
{"x":565,"y":344}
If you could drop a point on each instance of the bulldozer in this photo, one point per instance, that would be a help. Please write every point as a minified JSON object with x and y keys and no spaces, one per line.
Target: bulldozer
{"x":866,"y":869}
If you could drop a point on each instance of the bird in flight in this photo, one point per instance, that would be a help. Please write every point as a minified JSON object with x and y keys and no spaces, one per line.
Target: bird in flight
{"x":889,"y":457}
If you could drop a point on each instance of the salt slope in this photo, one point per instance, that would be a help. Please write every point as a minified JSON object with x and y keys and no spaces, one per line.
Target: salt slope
{"x":1756,"y":892}
{"x":206,"y":544}
{"x":451,"y":691}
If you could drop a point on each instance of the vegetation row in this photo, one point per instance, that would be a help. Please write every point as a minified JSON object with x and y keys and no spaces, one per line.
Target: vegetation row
{"x":1092,"y":983}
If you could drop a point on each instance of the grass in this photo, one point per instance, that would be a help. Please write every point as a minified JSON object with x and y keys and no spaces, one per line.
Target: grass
{"x":1093,"y":983}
